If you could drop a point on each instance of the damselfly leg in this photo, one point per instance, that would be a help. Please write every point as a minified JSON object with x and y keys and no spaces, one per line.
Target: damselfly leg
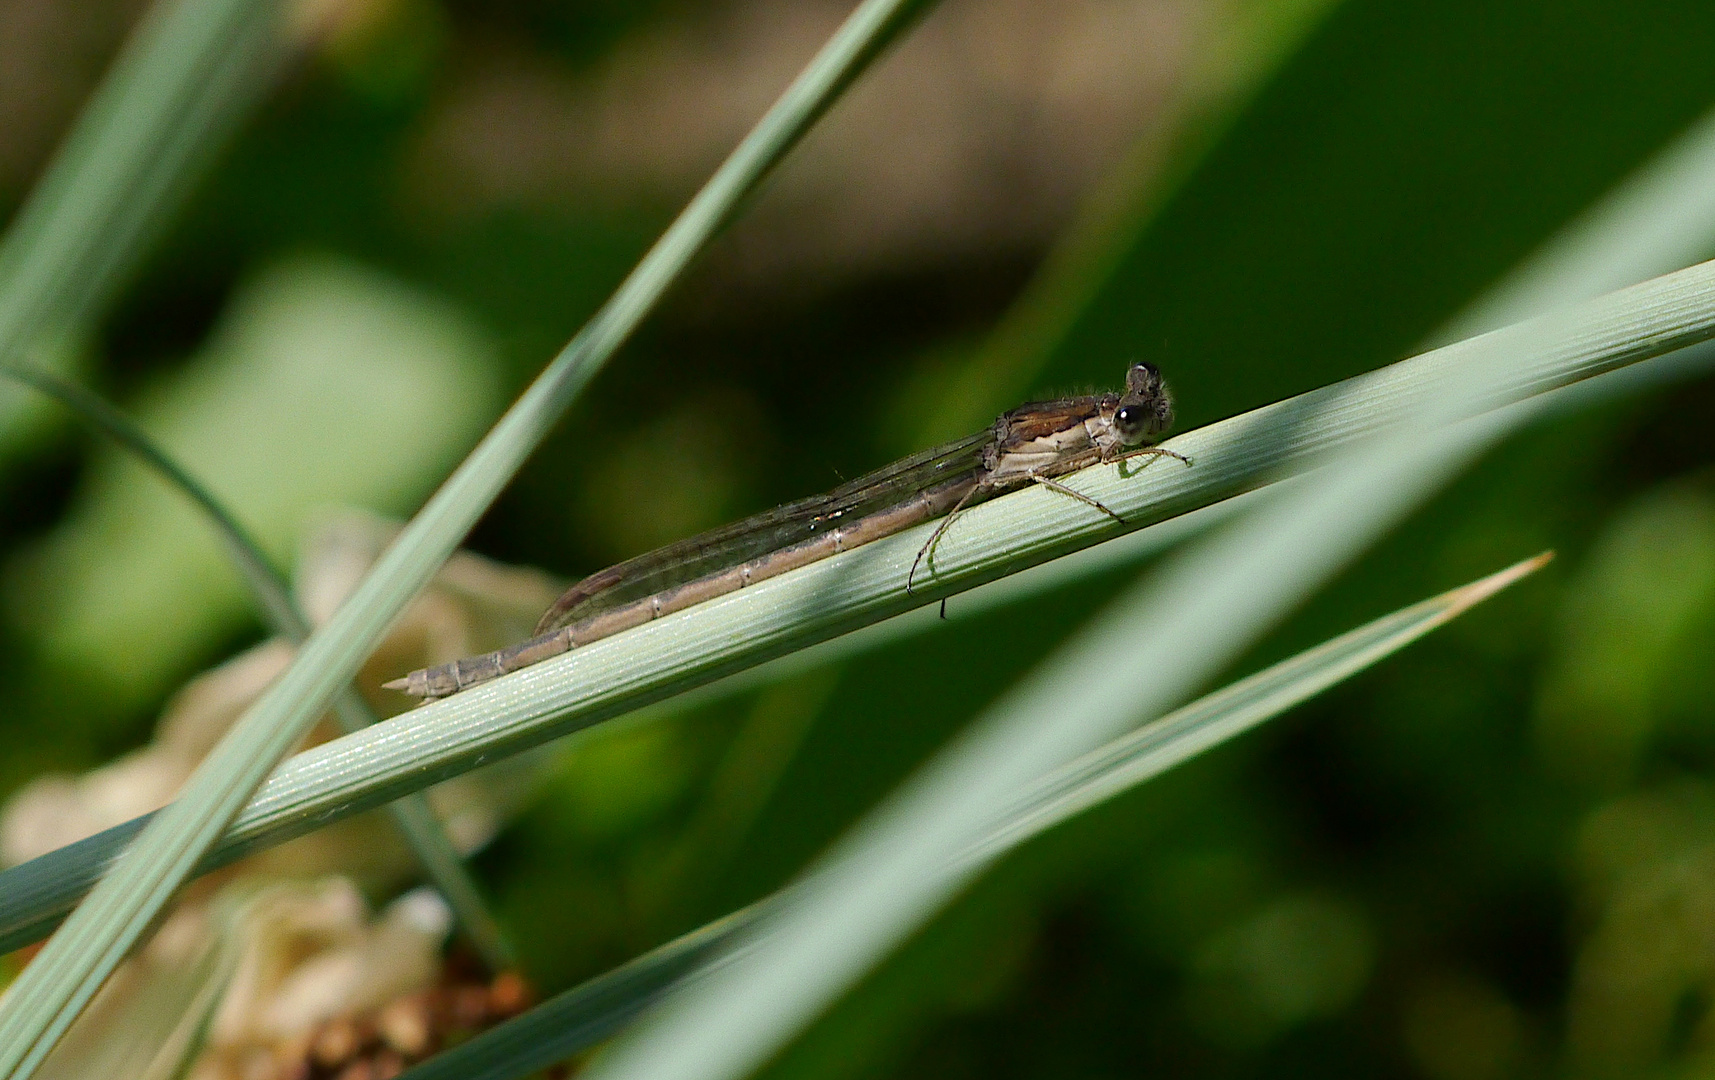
{"x":926,"y":554}
{"x":927,"y":551}
{"x":1151,"y":452}
{"x":1055,"y":485}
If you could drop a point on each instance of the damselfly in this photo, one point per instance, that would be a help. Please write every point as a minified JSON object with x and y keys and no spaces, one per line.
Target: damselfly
{"x":1032,"y":444}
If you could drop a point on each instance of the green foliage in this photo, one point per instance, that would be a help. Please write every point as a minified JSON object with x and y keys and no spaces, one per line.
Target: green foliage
{"x":1493,"y":823}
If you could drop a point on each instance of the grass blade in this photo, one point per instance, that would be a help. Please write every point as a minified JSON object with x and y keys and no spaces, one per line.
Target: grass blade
{"x":305,"y":795}
{"x":585,"y":1015}
{"x":581,"y":1017}
{"x":52,"y":990}
{"x":1132,"y":759}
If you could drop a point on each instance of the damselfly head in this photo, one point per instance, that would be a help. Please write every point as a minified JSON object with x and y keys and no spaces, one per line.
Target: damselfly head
{"x":1146,"y":408}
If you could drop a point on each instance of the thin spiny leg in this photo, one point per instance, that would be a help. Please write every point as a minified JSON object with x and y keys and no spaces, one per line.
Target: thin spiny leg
{"x":1055,"y":485}
{"x":928,"y":549}
{"x":1152,"y":451}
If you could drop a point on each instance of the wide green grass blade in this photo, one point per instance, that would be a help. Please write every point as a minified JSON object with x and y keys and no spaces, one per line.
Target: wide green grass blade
{"x":52,"y":990}
{"x":580,"y":1017}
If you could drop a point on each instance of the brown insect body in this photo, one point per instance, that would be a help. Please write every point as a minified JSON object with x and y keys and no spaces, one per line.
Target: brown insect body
{"x":1033,"y":443}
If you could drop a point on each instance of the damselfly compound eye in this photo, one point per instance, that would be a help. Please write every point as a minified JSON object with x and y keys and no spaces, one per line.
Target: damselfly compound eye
{"x":1135,"y":421}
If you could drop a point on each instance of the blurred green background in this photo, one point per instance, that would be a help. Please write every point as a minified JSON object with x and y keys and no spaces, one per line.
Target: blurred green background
{"x":1492,"y":856}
